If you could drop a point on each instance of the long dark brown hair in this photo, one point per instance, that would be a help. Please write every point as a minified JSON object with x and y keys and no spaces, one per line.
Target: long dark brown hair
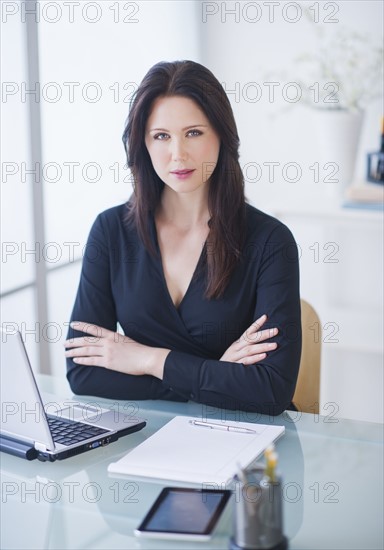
{"x":226,"y":200}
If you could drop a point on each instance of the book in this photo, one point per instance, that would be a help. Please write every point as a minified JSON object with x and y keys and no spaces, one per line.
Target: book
{"x":365,"y":193}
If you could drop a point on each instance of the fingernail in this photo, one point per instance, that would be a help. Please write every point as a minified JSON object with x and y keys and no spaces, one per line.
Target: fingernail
{"x":74,"y":323}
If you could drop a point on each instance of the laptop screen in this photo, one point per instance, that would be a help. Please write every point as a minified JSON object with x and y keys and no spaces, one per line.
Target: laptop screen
{"x":22,"y":411}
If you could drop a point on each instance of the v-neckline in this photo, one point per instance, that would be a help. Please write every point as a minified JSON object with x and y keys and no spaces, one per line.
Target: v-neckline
{"x":161,"y":267}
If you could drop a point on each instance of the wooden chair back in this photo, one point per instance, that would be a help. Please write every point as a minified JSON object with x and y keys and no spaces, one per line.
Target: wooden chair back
{"x":307,"y":392}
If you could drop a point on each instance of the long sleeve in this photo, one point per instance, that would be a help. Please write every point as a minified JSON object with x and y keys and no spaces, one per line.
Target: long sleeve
{"x":95,"y":304}
{"x":123,"y":284}
{"x":268,"y":386}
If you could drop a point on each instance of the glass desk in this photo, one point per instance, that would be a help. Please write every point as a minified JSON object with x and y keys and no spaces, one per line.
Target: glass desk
{"x":332,"y":472}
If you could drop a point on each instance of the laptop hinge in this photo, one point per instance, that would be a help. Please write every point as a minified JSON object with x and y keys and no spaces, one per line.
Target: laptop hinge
{"x":40,"y":447}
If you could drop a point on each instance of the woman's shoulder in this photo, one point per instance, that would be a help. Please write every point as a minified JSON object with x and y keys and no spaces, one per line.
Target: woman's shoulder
{"x":114,"y":213}
{"x":264,"y":225}
{"x":112,"y":225}
{"x":114,"y":218}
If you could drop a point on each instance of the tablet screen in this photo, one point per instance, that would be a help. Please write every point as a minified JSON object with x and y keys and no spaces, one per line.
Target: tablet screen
{"x":188,"y":511}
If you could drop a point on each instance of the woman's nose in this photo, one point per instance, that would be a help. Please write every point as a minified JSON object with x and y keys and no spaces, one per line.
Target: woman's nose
{"x":179,"y":151}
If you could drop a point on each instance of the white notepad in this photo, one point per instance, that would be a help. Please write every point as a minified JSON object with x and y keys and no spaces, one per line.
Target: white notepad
{"x":182,"y":451}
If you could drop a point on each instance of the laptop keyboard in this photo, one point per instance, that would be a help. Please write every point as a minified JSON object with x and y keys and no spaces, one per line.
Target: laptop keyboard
{"x":69,"y":432}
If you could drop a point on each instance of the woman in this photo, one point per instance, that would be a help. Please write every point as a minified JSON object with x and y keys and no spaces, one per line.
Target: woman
{"x":204,"y":286}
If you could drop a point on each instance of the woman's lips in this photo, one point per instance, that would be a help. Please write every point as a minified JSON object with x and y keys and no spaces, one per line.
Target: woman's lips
{"x":182,"y":174}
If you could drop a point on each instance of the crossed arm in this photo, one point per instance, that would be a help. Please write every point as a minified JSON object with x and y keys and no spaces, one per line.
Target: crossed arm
{"x":111,"y":350}
{"x":257,"y":372}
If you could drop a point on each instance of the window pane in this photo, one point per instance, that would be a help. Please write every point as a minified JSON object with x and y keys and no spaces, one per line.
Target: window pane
{"x":86,"y":88}
{"x":62,"y":286}
{"x":17,"y":264}
{"x":18,"y":314}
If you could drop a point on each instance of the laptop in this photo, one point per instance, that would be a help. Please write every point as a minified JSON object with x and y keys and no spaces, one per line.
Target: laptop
{"x":56,"y":430}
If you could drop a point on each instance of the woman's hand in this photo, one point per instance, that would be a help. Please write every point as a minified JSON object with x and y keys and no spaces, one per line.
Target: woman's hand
{"x":249,"y":349}
{"x":111,"y":350}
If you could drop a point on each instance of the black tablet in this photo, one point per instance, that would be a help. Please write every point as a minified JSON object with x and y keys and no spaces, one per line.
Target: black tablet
{"x":184,"y":513}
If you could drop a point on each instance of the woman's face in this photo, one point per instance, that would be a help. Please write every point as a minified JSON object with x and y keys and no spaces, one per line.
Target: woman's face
{"x":182,"y":144}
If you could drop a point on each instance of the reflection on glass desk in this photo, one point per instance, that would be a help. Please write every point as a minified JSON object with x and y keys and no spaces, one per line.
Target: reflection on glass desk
{"x":332,"y":472}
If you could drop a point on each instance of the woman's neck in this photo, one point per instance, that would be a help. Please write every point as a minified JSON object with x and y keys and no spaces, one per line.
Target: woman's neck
{"x":183,"y":210}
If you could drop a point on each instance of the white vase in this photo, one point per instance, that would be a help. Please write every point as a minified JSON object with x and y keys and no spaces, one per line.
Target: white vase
{"x":337,"y":133}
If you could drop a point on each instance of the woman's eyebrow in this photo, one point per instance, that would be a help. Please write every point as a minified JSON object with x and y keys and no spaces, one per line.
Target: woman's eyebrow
{"x":183,"y":129}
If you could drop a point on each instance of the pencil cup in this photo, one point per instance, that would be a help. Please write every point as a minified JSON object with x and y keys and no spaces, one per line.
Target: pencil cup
{"x":258,"y":516}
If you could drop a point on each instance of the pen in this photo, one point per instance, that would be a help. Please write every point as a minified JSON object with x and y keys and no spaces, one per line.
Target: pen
{"x":224,"y":427}
{"x":270,"y":463}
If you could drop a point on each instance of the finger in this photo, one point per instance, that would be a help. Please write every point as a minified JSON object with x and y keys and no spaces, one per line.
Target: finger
{"x":252,"y":359}
{"x":86,"y":351}
{"x":90,"y":361}
{"x":256,"y":349}
{"x":260,"y":348}
{"x":233,"y":355}
{"x":82,"y":341}
{"x":256,"y":325}
{"x":261,"y":335}
{"x":90,"y":328}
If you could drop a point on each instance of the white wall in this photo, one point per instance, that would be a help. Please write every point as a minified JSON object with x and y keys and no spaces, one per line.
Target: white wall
{"x":347,"y":292}
{"x":106,"y":59}
{"x":241,"y":52}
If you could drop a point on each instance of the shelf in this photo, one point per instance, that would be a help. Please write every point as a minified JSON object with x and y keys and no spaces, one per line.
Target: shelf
{"x":322,"y":211}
